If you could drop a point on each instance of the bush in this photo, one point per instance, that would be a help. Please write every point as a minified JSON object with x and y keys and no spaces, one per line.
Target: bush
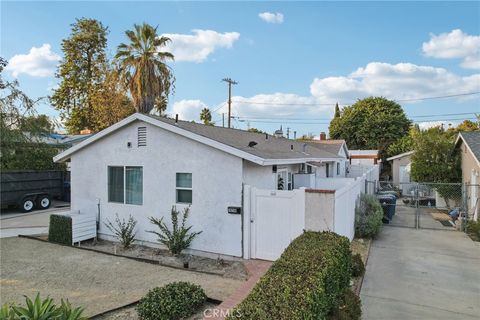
{"x":60,"y":229}
{"x":179,"y":237}
{"x":358,"y":268}
{"x":123,"y":230}
{"x":350,"y":307}
{"x":176,"y":300}
{"x":306,"y":282}
{"x":39,"y":309}
{"x":368,"y":217}
{"x":473,"y":229}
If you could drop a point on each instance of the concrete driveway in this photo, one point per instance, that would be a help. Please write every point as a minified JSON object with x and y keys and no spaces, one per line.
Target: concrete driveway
{"x":13,"y":222}
{"x":422,"y":274}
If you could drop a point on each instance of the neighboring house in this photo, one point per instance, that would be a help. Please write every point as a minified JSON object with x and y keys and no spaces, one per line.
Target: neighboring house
{"x":469,"y":145}
{"x":364,"y":157}
{"x":337,"y":147}
{"x":401,"y":164}
{"x":143,"y":165}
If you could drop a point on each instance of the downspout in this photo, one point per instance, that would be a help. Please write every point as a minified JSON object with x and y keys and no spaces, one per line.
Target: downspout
{"x":242,"y":217}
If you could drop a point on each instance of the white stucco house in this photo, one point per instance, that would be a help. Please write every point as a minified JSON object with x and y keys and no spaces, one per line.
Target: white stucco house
{"x":143,"y":165}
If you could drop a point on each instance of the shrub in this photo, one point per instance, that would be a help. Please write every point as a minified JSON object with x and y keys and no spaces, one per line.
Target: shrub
{"x":306,"y":282}
{"x":60,"y":229}
{"x":180,"y":237}
{"x":123,"y":230}
{"x":368,"y":217}
{"x":358,"y":268}
{"x":473,"y":229}
{"x":39,"y":309}
{"x":176,"y":300}
{"x":350,"y":307}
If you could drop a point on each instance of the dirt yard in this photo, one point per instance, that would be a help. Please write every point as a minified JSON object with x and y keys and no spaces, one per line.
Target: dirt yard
{"x":96,"y":281}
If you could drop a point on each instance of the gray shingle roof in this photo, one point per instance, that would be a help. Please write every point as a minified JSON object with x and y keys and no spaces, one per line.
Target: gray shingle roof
{"x":472,"y":139}
{"x":266,"y":147}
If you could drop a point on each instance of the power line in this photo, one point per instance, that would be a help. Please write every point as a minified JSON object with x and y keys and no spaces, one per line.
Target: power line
{"x":287,"y":121}
{"x":333,"y":103}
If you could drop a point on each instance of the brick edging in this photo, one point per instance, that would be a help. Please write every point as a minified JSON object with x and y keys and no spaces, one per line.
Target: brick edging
{"x":319,"y":190}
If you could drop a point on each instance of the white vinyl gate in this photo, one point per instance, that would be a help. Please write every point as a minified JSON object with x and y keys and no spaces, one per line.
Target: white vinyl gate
{"x":272,"y":219}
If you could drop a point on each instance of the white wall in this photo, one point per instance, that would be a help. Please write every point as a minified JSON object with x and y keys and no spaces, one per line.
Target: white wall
{"x":319,"y":211}
{"x":217,"y":184}
{"x":259,"y":176}
{"x":332,"y":183}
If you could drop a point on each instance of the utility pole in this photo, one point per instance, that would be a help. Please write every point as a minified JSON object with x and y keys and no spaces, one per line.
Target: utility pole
{"x":288,"y":132}
{"x":223,"y":119}
{"x":230,"y":82}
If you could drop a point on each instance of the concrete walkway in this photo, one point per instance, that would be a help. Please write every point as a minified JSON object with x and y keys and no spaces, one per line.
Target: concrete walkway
{"x":422,"y":274}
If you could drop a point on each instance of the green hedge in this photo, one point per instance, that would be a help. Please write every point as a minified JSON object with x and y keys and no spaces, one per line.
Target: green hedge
{"x":60,"y":229}
{"x":306,"y":282}
{"x":176,"y":300}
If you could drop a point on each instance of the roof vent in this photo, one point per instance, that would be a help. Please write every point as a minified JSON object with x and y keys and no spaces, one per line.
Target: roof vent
{"x":142,"y":136}
{"x":266,"y":136}
{"x":291,"y":147}
{"x":252,"y":144}
{"x":304,"y":147}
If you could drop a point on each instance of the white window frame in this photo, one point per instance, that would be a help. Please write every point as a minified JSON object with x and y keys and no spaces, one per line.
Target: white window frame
{"x":183,"y":188}
{"x":124,"y":185}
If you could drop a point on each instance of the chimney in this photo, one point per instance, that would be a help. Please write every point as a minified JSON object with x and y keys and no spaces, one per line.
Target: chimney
{"x":176,"y":118}
{"x":323,"y":136}
{"x":295,"y":135}
{"x":86,"y":131}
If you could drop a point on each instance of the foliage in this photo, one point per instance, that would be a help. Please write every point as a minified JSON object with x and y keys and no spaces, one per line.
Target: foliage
{"x":180,"y":237}
{"x":255,"y":130}
{"x":206,"y":116}
{"x":21,"y":130}
{"x":358,"y":267}
{"x":473,"y":229}
{"x":160,"y":106}
{"x":350,"y":307}
{"x":402,"y":145}
{"x":123,"y":230}
{"x":39,"y":309}
{"x":368,"y":217}
{"x":143,"y":68}
{"x":436,"y":160}
{"x":466,"y":126}
{"x":306,"y":282}
{"x":60,"y":229}
{"x":81,"y":73}
{"x":371,"y":123}
{"x":177,"y":300}
{"x":337,"y":111}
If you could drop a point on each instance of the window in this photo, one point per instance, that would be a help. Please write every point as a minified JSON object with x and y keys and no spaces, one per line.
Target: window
{"x":338,"y":168}
{"x":184,"y":188}
{"x":125,"y":185}
{"x":327,"y":169}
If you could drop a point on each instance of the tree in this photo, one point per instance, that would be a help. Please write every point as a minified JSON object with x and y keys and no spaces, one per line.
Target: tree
{"x":110,"y":104}
{"x":337,"y":111}
{"x":466,"y":125}
{"x":255,"y":130}
{"x":404,"y":144}
{"x":81,"y":72}
{"x":161,"y":106}
{"x":143,"y":67}
{"x":206,"y":116}
{"x":371,"y":123}
{"x":435,"y":160}
{"x":21,"y":130}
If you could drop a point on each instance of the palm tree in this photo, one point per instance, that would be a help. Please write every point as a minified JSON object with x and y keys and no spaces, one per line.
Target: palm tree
{"x":206,"y":116}
{"x":143,"y":66}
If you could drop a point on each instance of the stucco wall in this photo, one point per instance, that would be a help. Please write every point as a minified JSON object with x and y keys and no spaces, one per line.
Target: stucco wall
{"x":259,"y":176}
{"x":471,"y":175}
{"x":403,"y":161}
{"x":216,"y":181}
{"x":319,"y":210}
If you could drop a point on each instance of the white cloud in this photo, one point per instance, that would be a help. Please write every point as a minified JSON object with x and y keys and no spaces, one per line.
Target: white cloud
{"x":455,"y":44}
{"x":188,"y":110}
{"x":270,"y":17}
{"x":431,"y":124}
{"x":394,"y":81}
{"x":39,"y":62}
{"x":197,"y":47}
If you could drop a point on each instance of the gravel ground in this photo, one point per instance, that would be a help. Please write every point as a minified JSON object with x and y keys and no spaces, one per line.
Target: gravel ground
{"x":229,"y":269}
{"x":360,"y":246}
{"x":96,"y":281}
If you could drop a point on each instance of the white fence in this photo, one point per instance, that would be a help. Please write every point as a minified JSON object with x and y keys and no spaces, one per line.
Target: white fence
{"x":344,"y":211}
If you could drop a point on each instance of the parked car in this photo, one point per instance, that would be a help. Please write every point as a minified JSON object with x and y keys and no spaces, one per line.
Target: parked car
{"x":31,"y":190}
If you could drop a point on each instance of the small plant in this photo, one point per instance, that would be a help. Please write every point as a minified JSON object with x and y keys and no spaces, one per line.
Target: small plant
{"x":39,"y":309}
{"x":180,"y":237}
{"x":349,"y":308}
{"x":368,"y":217}
{"x":177,"y":300}
{"x":123,"y":230}
{"x":358,"y":268}
{"x":473,"y":230}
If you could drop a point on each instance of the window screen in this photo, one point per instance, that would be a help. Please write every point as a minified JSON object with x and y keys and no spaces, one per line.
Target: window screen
{"x":115,"y":184}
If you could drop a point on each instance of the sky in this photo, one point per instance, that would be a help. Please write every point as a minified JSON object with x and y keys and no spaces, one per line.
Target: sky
{"x":292,"y":60}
